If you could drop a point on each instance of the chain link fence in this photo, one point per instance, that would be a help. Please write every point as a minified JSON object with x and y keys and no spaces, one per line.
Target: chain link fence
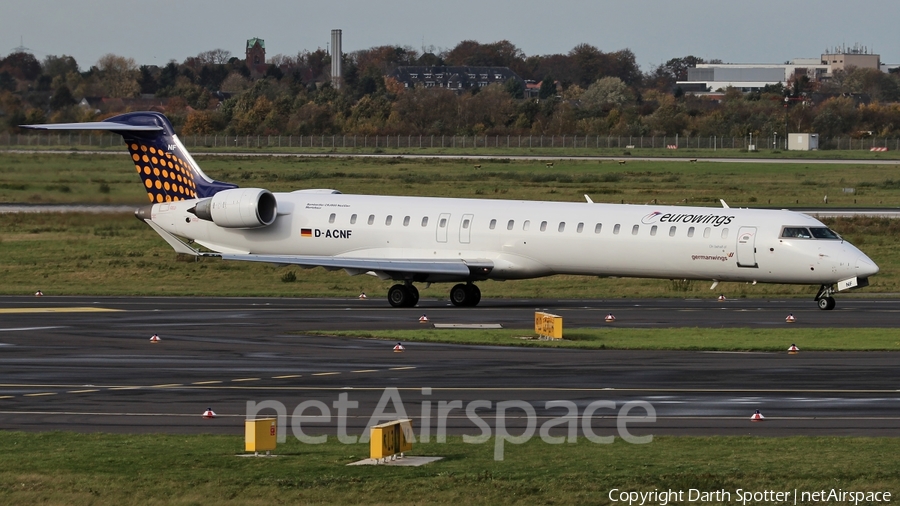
{"x":335,"y":142}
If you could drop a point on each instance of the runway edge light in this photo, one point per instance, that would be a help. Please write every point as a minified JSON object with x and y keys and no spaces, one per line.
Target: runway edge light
{"x":209,"y":413}
{"x":790,"y":318}
{"x":793,"y":349}
{"x":399,"y":348}
{"x":757,"y":417}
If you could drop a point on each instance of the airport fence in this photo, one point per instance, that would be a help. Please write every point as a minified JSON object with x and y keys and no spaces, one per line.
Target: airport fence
{"x":334,"y":142}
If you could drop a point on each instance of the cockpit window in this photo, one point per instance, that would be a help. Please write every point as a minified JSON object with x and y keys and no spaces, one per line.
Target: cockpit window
{"x":824,"y":233}
{"x":796,"y":232}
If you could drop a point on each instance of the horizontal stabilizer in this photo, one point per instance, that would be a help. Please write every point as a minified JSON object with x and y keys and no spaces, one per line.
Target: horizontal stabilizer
{"x":97,"y":125}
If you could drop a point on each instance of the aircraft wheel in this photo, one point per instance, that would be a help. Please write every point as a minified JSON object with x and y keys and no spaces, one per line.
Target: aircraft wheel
{"x":474,"y":295}
{"x":826,"y":303}
{"x":400,"y":296}
{"x":459,"y":295}
{"x":414,"y":294}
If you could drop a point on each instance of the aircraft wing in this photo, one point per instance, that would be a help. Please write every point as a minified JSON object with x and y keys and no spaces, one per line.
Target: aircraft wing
{"x":461,"y":268}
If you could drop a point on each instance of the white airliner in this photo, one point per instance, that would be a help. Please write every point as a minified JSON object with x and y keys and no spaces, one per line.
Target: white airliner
{"x":436,"y":240}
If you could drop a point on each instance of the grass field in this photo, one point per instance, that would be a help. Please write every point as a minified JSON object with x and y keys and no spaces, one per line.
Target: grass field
{"x":734,"y":339}
{"x":110,"y":179}
{"x":101,"y":469}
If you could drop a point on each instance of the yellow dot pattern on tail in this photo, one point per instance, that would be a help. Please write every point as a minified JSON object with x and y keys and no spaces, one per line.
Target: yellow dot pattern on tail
{"x":166,"y":176}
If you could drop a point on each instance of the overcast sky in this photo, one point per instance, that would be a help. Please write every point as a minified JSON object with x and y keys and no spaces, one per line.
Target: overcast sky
{"x":154,"y":32}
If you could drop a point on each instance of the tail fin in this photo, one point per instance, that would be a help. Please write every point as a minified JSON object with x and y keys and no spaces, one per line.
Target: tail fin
{"x":166,"y":168}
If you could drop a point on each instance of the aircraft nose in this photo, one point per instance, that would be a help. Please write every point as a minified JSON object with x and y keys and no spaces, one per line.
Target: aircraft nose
{"x":865,"y":267}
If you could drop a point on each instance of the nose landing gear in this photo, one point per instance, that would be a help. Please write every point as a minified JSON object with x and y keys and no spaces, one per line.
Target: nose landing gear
{"x":824,"y":299}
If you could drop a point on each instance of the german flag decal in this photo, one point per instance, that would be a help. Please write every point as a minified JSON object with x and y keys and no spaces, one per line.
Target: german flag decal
{"x":305,"y":232}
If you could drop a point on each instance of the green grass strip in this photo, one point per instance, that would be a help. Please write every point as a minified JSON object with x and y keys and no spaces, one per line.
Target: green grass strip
{"x":101,"y":469}
{"x":712,"y":339}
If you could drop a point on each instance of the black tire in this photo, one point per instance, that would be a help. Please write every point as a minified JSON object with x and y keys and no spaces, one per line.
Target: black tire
{"x":399,"y":296}
{"x":826,"y":303}
{"x":474,"y":295}
{"x":459,"y":295}
{"x":414,"y":295}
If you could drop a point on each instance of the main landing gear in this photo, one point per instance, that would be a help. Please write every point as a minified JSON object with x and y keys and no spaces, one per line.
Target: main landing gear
{"x":406,"y":295}
{"x":465,"y":295}
{"x":824,"y":299}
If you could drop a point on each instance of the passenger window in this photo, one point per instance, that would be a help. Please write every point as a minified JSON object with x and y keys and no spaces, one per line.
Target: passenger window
{"x":580,"y":228}
{"x":653,"y":230}
{"x":526,"y":225}
{"x":331,"y":218}
{"x":442,"y":223}
{"x":562,"y":226}
{"x":691,"y":232}
{"x":388,"y":220}
{"x":706,"y":233}
{"x":406,"y":221}
{"x":724,"y":233}
{"x":466,"y":223}
{"x":425,"y":221}
{"x":634,"y":229}
{"x":353,"y":220}
{"x":616,"y":229}
{"x":672,"y":231}
{"x":510,"y":225}
{"x":597,"y":228}
{"x":543,"y":226}
{"x":371,"y":219}
{"x":493,"y":224}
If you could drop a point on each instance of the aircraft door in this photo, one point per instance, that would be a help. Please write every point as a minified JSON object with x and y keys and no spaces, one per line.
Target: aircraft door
{"x":746,"y":247}
{"x":443,"y":223}
{"x":465,"y":229}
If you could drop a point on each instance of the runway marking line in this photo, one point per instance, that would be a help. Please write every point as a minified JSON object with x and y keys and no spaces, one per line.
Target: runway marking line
{"x":18,"y":310}
{"x":81,"y":391}
{"x":166,"y":386}
{"x":400,"y":368}
{"x":246,"y":379}
{"x":40,"y":394}
{"x":288,"y":376}
{"x":7,"y":396}
{"x":325,"y":374}
{"x":125,"y":388}
{"x":205,"y":382}
{"x":366,"y":370}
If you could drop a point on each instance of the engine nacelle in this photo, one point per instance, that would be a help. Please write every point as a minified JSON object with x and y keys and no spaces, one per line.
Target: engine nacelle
{"x":239,"y":208}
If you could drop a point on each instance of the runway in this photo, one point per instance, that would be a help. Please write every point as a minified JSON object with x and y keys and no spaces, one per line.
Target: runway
{"x":86,"y":364}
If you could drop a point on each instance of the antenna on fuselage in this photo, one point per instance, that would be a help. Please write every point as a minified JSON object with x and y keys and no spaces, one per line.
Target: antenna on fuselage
{"x":586,"y":197}
{"x":724,"y":204}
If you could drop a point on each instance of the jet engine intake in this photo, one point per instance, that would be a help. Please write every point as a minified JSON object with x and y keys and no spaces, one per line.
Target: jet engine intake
{"x":238,"y":208}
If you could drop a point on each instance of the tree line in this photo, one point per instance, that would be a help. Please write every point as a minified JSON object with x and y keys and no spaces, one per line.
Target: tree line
{"x":584,"y":92}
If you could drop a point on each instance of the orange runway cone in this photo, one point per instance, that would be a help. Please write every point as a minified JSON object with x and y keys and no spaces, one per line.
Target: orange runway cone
{"x":793,"y":349}
{"x":423,"y":319}
{"x":609,"y":318}
{"x":154,"y":338}
{"x":757,"y":417}
{"x":209,"y":413}
{"x":399,"y":348}
{"x":790,"y":318}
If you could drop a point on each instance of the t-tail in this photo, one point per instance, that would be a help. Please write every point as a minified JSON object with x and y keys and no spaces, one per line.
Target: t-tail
{"x":168,"y":171}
